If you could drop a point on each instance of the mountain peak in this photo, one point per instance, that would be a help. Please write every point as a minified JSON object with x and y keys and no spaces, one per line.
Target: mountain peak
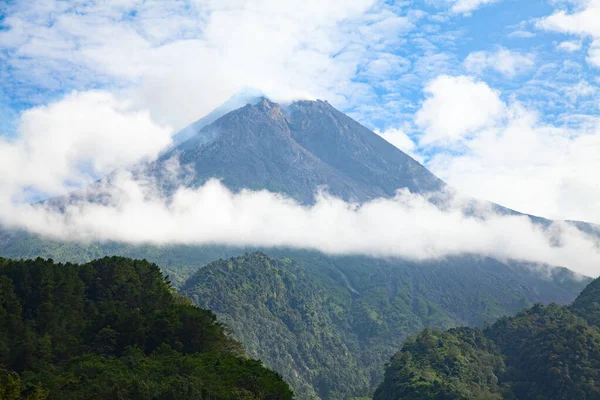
{"x":265,"y":102}
{"x":297,"y":149}
{"x":271,"y":108}
{"x":242,"y":98}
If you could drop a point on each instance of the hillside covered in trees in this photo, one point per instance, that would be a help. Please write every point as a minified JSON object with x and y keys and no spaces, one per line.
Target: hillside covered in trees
{"x":328,"y":324}
{"x":115,"y":329}
{"x":543,"y":352}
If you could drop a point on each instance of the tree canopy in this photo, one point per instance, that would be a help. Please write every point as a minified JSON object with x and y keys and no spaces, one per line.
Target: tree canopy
{"x":115,"y":329}
{"x":542,"y":353}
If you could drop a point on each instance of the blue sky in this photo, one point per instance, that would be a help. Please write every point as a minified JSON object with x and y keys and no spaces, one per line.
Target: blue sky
{"x":499,"y":98}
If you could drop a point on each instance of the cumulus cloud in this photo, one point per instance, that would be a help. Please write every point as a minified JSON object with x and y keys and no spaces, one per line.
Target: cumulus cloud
{"x":455,"y":107}
{"x":506,"y":62}
{"x":582,"y":21}
{"x":517,"y":159}
{"x":71,"y":142}
{"x":407,"y":226}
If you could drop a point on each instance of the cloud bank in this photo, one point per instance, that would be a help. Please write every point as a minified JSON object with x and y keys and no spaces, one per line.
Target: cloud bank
{"x":406,"y":226}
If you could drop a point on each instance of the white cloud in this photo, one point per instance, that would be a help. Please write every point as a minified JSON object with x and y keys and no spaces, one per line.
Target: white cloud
{"x":594,"y":53}
{"x":213,"y":215}
{"x":526,"y":164}
{"x":521,"y":34}
{"x":456,"y":107}
{"x":569,"y":46}
{"x":580,"y":89}
{"x":384,"y":66}
{"x":504,"y":61}
{"x":182,"y":59}
{"x":74,"y":141}
{"x":468,"y":6}
{"x":582,"y":22}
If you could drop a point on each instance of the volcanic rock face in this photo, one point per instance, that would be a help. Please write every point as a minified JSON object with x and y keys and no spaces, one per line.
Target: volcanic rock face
{"x":296,"y":151}
{"x":360,"y":154}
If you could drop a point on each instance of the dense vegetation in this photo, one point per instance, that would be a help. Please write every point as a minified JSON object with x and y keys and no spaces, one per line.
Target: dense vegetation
{"x":368,"y":306}
{"x":544,"y":352}
{"x":115,"y":329}
{"x":328,"y":324}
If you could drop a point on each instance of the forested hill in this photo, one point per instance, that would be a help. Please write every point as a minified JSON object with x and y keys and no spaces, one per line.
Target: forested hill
{"x":328,"y":324}
{"x":115,"y":329}
{"x":544,"y":352}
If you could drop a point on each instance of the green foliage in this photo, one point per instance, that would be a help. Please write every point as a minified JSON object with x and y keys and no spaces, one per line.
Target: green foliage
{"x":364,"y":307}
{"x":327,"y":324}
{"x":550,"y":353}
{"x":587,"y":304}
{"x":544,"y":352}
{"x":113,"y":328}
{"x":458,"y":364}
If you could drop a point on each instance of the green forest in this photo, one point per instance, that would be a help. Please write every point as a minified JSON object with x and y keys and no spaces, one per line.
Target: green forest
{"x":306,"y":315}
{"x":542,"y":353}
{"x":115,"y":329}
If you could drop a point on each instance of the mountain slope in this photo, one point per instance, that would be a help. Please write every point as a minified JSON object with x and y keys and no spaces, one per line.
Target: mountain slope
{"x":308,"y":318}
{"x":296,"y":151}
{"x":544,"y":352}
{"x":349,"y":147}
{"x":253,"y":148}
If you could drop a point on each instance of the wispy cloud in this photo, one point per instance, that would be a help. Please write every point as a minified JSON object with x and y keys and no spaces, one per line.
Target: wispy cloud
{"x":506,"y":62}
{"x":181,"y":59}
{"x":569,"y":46}
{"x":468,"y":6}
